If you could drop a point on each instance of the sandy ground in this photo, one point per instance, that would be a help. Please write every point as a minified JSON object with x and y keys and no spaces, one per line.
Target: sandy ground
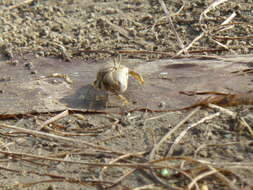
{"x":74,"y":151}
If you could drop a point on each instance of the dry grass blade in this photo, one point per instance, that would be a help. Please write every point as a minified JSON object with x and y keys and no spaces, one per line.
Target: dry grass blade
{"x":156,"y":147}
{"x":203,"y":14}
{"x":20,"y":4}
{"x":224,"y":46}
{"x":146,"y":187}
{"x":233,"y":115}
{"x":223,"y":110}
{"x":211,"y":6}
{"x":204,"y":162}
{"x":55,"y":118}
{"x":233,"y":37}
{"x":191,"y":44}
{"x":209,"y":117}
{"x":219,"y":172}
{"x":245,"y":124}
{"x":158,"y":116}
{"x":119,"y":180}
{"x":66,"y":134}
{"x":172,"y":26}
{"x":224,"y":178}
{"x":74,"y":181}
{"x":211,"y":172}
{"x":55,"y":178}
{"x":123,"y":176}
{"x":199,"y":177}
{"x":115,"y":160}
{"x":42,"y":134}
{"x":225,"y":101}
{"x":130,"y":52}
{"x":229,"y":19}
{"x":213,"y":145}
{"x":94,"y":164}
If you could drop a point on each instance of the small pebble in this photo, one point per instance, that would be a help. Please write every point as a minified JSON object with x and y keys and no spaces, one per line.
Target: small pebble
{"x":51,"y":187}
{"x":29,"y":65}
{"x":34,"y":72}
{"x":228,"y":136}
{"x":55,"y":82}
{"x":162,"y":104}
{"x":41,"y":53}
{"x":165,"y":172}
{"x":15,"y":62}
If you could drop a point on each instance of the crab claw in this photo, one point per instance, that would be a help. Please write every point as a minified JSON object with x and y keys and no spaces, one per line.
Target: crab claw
{"x":137,"y":76}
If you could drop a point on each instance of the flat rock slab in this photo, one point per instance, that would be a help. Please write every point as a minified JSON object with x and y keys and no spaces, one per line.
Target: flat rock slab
{"x":31,"y":85}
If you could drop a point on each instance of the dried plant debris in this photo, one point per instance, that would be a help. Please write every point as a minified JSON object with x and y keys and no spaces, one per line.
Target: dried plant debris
{"x":56,"y":131}
{"x":66,"y":28}
{"x":105,"y":160}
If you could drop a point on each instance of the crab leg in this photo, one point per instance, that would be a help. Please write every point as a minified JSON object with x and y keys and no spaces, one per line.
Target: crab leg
{"x":125,"y":102}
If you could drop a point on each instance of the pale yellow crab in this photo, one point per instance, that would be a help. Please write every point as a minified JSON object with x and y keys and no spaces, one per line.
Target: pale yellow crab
{"x":114,"y":78}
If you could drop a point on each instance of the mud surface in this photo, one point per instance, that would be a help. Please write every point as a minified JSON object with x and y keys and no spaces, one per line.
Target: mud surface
{"x":73,"y":157}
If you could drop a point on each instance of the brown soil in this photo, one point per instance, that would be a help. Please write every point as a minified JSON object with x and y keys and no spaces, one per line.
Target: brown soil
{"x":85,"y":29}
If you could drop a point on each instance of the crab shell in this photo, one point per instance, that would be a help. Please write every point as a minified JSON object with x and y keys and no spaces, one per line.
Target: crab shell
{"x":113,"y":79}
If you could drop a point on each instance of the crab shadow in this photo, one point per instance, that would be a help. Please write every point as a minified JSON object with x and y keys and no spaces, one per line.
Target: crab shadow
{"x":86,"y":97}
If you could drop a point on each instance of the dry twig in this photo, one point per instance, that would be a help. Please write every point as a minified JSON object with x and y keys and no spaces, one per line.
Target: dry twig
{"x":156,"y":147}
{"x":47,"y":135}
{"x":205,"y":32}
{"x":165,"y":137}
{"x":92,"y":164}
{"x":201,"y":176}
{"x":146,"y":187}
{"x":223,"y":110}
{"x":209,"y":117}
{"x":55,"y":118}
{"x":245,"y":124}
{"x":20,"y":4}
{"x":172,"y":26}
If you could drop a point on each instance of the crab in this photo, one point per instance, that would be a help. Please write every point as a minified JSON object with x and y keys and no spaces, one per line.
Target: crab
{"x":113,"y":78}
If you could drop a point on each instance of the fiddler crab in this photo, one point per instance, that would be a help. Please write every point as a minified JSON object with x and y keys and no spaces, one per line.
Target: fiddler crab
{"x":113,"y":78}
